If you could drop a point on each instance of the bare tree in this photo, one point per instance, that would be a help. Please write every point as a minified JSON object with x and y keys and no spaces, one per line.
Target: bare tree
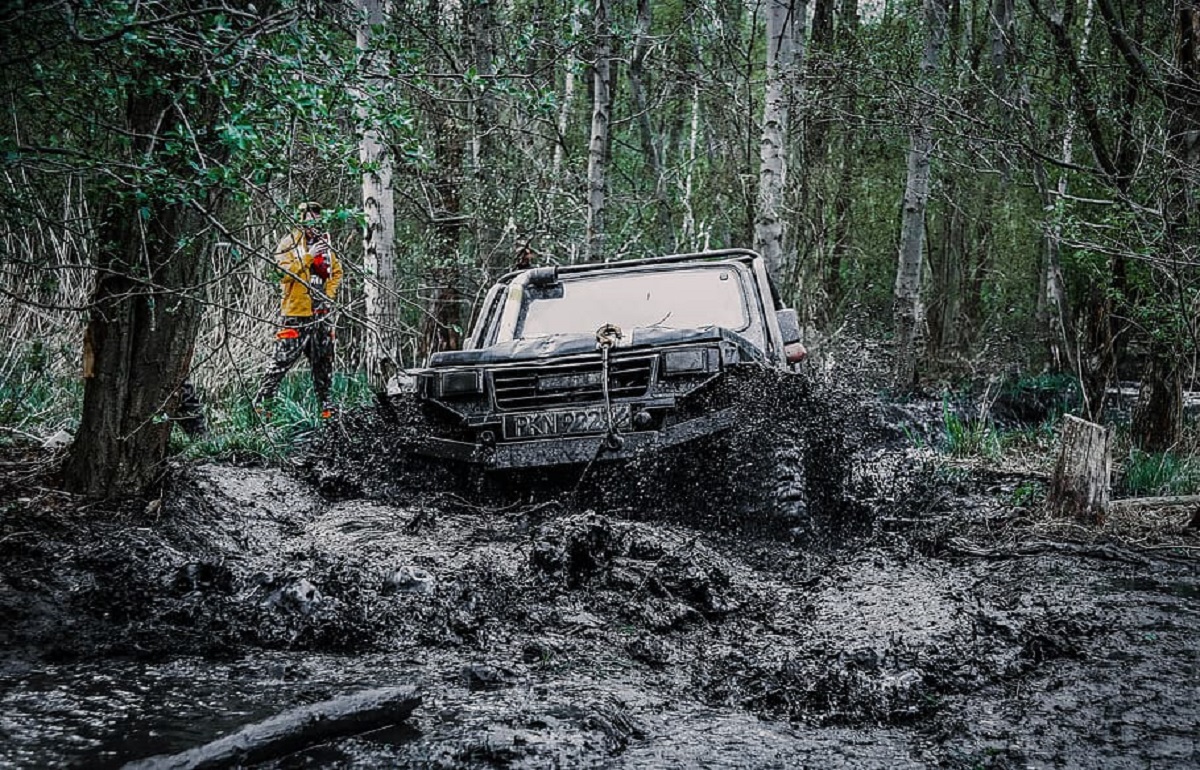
{"x":908,"y":310}
{"x":847,"y":37}
{"x":1158,"y":415}
{"x":566,"y":101}
{"x":602,"y":81}
{"x":1054,"y":317}
{"x":650,"y":151}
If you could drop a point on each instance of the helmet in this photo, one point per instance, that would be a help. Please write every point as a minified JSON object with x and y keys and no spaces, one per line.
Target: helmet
{"x":309,"y":207}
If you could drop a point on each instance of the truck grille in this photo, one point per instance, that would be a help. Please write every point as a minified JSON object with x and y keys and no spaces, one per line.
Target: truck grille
{"x":578,"y":382}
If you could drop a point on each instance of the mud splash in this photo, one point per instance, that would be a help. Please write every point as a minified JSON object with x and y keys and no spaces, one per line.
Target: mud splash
{"x":947,"y":628}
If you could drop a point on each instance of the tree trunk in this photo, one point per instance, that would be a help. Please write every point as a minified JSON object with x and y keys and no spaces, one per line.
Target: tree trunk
{"x":568,"y":98}
{"x":1158,"y":416}
{"x":1080,"y":485}
{"x":1053,"y":313}
{"x":908,"y":311}
{"x":379,"y":233}
{"x":1097,"y":360}
{"x":947,"y":263}
{"x":665,"y":240}
{"x":143,"y":324}
{"x":782,"y":17}
{"x":847,"y":38}
{"x":601,"y":118}
{"x":486,"y":191}
{"x":1001,"y":31}
{"x":688,"y":231}
{"x":443,"y":320}
{"x":1157,"y":424}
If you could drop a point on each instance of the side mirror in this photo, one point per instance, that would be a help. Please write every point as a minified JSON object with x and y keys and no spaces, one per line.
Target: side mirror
{"x":789,"y":325}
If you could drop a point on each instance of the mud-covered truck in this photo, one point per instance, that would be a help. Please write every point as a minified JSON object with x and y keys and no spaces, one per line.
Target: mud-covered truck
{"x":579,"y":363}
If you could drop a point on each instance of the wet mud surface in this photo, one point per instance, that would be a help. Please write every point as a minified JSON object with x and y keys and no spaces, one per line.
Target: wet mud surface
{"x":945,"y":626}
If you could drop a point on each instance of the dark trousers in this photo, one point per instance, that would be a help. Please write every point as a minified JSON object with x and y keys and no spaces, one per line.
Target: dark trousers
{"x":312,"y":336}
{"x":191,"y":411}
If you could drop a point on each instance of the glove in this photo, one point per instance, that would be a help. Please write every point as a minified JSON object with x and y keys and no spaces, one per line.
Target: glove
{"x":320,"y":266}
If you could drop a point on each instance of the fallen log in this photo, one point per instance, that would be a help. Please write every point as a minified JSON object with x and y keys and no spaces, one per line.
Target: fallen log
{"x":1144,"y":503}
{"x":294,"y":730}
{"x":1106,"y":552}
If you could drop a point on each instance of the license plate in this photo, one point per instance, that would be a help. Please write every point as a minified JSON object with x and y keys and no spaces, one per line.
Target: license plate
{"x":564,"y":422}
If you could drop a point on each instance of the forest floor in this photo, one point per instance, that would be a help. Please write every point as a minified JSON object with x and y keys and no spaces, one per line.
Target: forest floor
{"x":954,"y":626}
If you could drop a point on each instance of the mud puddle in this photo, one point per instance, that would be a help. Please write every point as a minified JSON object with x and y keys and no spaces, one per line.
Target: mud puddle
{"x":949,"y":629}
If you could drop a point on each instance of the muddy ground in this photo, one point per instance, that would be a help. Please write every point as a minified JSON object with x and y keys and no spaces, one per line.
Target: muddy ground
{"x":946,"y":622}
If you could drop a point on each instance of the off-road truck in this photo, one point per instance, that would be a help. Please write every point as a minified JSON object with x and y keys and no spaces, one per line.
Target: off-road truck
{"x":581,"y":363}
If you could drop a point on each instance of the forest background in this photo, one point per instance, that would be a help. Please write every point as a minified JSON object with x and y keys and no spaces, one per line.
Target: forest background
{"x":988,"y":186}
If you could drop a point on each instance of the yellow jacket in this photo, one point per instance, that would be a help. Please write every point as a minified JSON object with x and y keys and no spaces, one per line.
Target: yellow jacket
{"x":295,"y":261}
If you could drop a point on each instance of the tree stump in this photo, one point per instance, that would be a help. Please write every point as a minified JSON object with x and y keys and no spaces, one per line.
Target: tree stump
{"x":1080,"y":485}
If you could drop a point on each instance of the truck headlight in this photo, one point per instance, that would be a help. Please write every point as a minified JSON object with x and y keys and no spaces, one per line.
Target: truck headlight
{"x":454,"y":382}
{"x":690,"y":361}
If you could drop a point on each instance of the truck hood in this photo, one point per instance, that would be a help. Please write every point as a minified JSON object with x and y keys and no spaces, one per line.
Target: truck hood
{"x":557,"y":345}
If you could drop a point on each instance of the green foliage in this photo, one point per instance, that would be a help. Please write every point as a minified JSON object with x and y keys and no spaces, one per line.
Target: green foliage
{"x":1028,"y":495}
{"x":1038,"y":438}
{"x":1048,"y":394}
{"x":238,"y":431}
{"x":35,"y":402}
{"x":968,"y":438}
{"x":1149,"y":474}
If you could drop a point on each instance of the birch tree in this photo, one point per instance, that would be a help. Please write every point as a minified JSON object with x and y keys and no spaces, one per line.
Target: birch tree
{"x":379,"y":231}
{"x":908,"y":311}
{"x":1054,"y":318}
{"x":847,"y":38}
{"x":566,"y":101}
{"x":784,"y":17}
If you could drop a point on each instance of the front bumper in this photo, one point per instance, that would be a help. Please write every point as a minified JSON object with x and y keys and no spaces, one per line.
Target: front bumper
{"x":575,"y":450}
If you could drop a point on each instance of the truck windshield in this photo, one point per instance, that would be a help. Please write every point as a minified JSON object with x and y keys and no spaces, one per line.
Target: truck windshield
{"x":681,"y":299}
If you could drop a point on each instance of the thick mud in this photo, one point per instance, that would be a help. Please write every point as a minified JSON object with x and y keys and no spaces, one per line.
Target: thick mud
{"x":613,"y":623}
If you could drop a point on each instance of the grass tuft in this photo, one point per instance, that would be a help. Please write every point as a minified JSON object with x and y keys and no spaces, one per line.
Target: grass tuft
{"x":1155,"y":474}
{"x":969,"y":438}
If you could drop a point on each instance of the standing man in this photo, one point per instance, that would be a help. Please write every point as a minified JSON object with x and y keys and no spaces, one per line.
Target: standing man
{"x":311,"y":274}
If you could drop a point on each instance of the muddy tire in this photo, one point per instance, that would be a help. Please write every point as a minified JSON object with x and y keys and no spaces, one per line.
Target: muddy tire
{"x":770,"y":480}
{"x":750,"y":480}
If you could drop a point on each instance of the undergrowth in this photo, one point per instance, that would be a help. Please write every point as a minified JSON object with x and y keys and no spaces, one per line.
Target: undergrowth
{"x":236,"y":430}
{"x":39,"y":400}
{"x":965,"y":437}
{"x":1023,"y":423}
{"x":34,"y":403}
{"x":1156,"y":474}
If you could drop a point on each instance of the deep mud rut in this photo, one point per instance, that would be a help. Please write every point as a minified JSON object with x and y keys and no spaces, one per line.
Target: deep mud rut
{"x":952,"y":629}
